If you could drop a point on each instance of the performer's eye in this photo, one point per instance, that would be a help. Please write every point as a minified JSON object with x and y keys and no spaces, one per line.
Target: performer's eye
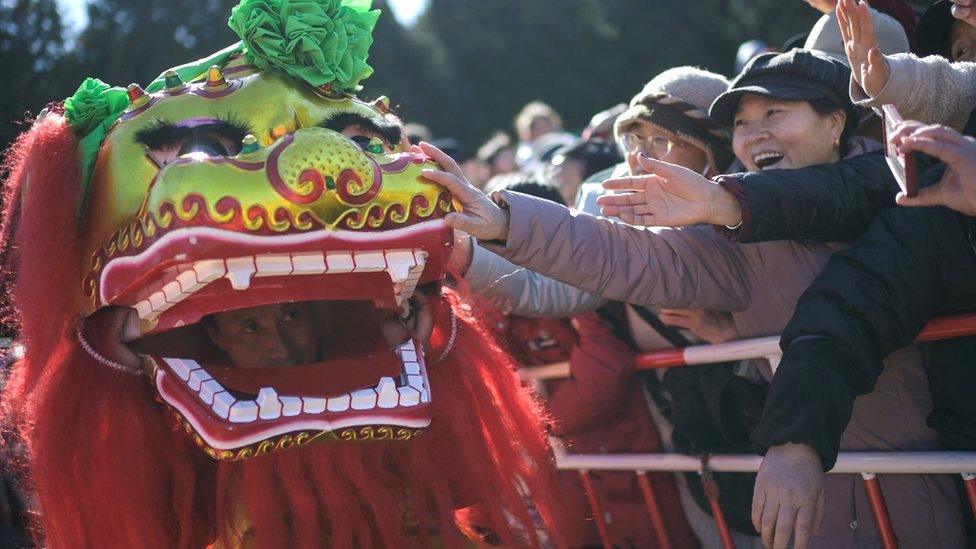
{"x":373,"y":145}
{"x":210,"y":146}
{"x":167,"y":141}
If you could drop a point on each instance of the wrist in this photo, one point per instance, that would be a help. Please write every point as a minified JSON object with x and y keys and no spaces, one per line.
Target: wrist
{"x":724,"y":208}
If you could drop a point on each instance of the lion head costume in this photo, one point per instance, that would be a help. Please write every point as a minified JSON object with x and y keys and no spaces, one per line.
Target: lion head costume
{"x":250,"y":178}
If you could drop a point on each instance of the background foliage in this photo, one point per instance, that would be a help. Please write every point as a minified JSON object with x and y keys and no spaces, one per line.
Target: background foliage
{"x":464,"y":69}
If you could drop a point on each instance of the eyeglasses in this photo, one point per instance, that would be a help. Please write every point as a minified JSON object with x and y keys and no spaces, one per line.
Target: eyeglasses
{"x":656,"y":146}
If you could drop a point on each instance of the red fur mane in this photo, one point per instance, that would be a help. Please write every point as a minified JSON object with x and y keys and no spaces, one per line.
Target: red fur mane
{"x":111,"y":468}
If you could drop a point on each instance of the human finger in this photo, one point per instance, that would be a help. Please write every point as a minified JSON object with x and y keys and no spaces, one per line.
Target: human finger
{"x":804,"y":526}
{"x":442,"y":158}
{"x":927,"y":196}
{"x":962,"y":2}
{"x":462,"y":191}
{"x":785,"y":520}
{"x":843,"y":20}
{"x":630,"y":218}
{"x":622,"y":199}
{"x":660,"y":167}
{"x":758,"y":503}
{"x":819,"y":511}
{"x":866,"y":25}
{"x":961,"y":12}
{"x":855,"y":24}
{"x":628,"y":183}
{"x":946,"y":151}
{"x":941,"y":133}
{"x":631,"y":212}
{"x":767,"y":525}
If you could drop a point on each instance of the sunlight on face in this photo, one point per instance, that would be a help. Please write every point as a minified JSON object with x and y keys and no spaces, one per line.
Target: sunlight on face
{"x":770,"y":133}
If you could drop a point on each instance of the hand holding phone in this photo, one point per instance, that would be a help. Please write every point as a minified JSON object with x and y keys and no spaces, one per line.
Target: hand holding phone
{"x":902,"y":165}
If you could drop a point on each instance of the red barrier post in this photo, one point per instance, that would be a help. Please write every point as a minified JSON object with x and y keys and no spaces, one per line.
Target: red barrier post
{"x":712,"y":494}
{"x":601,"y":525}
{"x":654,"y":510}
{"x":880,"y":511}
{"x":969,"y":479}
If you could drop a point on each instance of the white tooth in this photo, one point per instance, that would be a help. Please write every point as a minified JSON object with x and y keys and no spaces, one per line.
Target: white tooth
{"x":181,"y":367}
{"x":243,"y":411}
{"x":420,"y":256}
{"x":313,"y":405}
{"x":144,"y":308}
{"x":412,"y":368}
{"x":369,"y":262}
{"x":273,"y":265}
{"x":363,"y":399}
{"x":189,"y":283}
{"x":408,"y":356}
{"x":208,"y":389}
{"x":424,"y":395}
{"x":239,"y":271}
{"x":159,"y":303}
{"x":209,"y":270}
{"x":387,"y":391}
{"x":173,"y":292}
{"x":409,"y":396}
{"x":290,"y":406}
{"x":407,"y":346}
{"x":222,"y":404}
{"x":197,"y":377}
{"x":399,"y":264}
{"x":416,"y":381}
{"x":269,"y":403}
{"x":339,"y":262}
{"x":339,"y":403}
{"x":310,"y":263}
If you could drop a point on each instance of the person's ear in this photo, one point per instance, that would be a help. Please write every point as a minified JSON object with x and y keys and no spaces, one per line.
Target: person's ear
{"x":213,"y":332}
{"x":838,"y":120}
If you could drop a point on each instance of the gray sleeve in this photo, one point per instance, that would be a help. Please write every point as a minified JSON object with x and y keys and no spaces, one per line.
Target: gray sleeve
{"x":522,"y":292}
{"x":684,"y":268}
{"x":929,"y":89}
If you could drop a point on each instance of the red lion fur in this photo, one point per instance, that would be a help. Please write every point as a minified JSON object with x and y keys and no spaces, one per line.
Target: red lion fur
{"x":111,"y":468}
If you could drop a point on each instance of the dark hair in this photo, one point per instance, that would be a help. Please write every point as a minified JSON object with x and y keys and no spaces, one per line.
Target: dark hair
{"x":824,"y":106}
{"x":596,"y":155}
{"x":525,"y":183}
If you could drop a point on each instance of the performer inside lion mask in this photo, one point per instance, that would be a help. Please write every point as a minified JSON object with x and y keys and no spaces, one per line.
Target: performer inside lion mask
{"x":228,"y":284}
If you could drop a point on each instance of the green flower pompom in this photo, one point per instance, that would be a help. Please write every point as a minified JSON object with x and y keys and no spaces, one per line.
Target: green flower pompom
{"x":318,"y":41}
{"x":93,"y":104}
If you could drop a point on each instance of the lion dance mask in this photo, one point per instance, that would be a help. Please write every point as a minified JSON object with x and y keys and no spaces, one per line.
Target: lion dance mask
{"x":253,"y":178}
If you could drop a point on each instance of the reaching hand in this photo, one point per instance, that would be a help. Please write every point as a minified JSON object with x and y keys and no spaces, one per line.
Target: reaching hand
{"x":478,"y":215}
{"x":957,"y":188}
{"x":671,"y":196}
{"x":868,"y":65}
{"x":710,"y":326}
{"x":963,"y":11}
{"x":789,"y":496}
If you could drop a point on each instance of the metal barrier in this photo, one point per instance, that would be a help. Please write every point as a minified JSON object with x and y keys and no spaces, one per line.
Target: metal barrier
{"x":866,"y":464}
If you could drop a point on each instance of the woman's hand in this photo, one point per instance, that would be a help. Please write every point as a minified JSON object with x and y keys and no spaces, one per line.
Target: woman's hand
{"x":868,"y":65}
{"x":671,"y":196}
{"x":478,"y":215}
{"x":957,"y":188}
{"x":709,"y":326}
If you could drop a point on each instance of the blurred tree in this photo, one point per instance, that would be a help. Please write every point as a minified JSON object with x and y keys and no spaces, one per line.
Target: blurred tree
{"x":30,"y":48}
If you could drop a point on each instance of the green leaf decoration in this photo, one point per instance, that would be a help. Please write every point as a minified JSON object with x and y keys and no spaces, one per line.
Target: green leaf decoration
{"x":318,"y":41}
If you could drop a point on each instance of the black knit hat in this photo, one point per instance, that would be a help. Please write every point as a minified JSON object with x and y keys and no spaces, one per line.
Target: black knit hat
{"x":796,"y":75}
{"x":933,"y":30}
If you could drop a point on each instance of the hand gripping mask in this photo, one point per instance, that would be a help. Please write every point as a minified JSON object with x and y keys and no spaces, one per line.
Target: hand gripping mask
{"x":256,"y":178}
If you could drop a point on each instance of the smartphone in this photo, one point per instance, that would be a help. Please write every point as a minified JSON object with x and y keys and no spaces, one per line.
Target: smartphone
{"x":903,"y":166}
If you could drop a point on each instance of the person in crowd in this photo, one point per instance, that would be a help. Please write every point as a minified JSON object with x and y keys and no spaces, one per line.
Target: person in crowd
{"x":748,"y":50}
{"x":943,"y":30}
{"x":788,"y":111}
{"x":900,"y":10}
{"x":936,"y":89}
{"x":534,"y":121}
{"x":601,"y":124}
{"x":573,"y":164}
{"x":596,"y":410}
{"x":678,"y":395}
{"x":499,"y":154}
{"x":416,"y":132}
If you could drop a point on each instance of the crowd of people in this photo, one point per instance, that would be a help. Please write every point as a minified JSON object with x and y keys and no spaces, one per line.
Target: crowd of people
{"x":708,"y":210}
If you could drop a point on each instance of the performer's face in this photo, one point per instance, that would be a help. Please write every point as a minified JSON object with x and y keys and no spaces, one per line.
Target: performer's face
{"x":272,"y":335}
